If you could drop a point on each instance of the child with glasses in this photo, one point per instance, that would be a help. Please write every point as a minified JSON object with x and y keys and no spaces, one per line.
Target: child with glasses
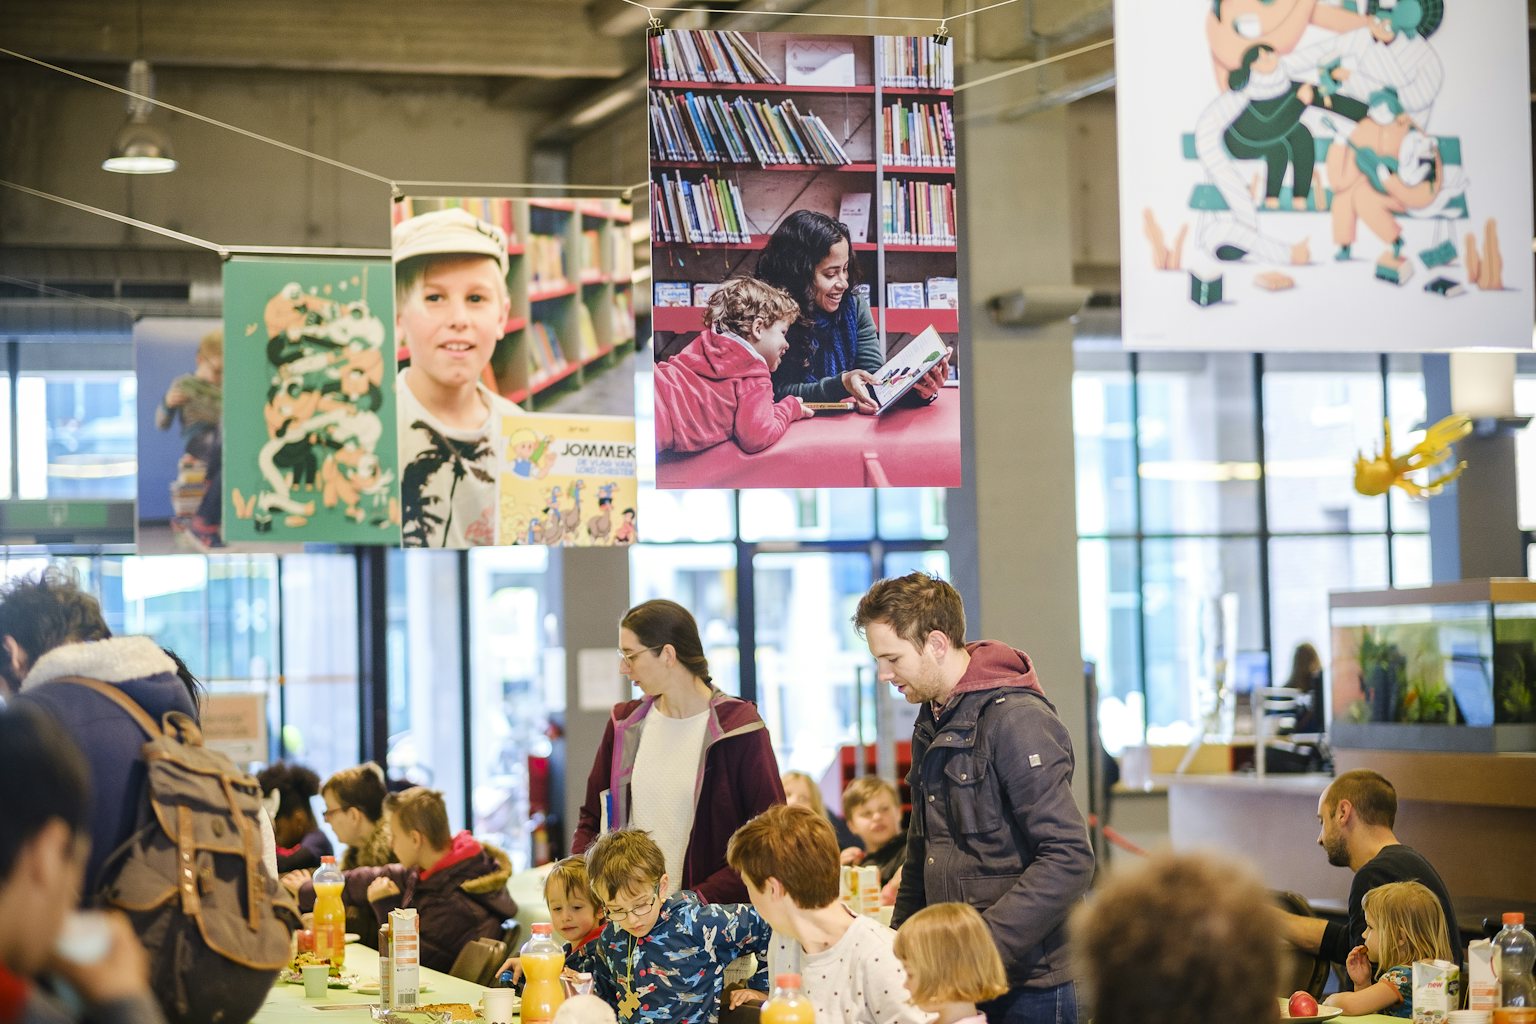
{"x":663,"y":955}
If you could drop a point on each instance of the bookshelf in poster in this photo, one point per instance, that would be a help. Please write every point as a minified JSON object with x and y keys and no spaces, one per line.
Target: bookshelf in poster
{"x":918,"y":134}
{"x":692,"y":56}
{"x":707,"y":210}
{"x":914,"y":62}
{"x":916,"y":212}
{"x":709,"y":128}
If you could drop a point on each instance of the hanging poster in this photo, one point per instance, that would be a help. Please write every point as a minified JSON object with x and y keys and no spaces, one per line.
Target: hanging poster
{"x":804,"y":233}
{"x":1324,"y":174}
{"x":569,"y":481}
{"x":503,"y":307}
{"x":308,"y":402}
{"x":179,"y":365}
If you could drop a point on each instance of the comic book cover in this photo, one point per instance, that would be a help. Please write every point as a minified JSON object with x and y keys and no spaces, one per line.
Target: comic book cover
{"x":569,"y":481}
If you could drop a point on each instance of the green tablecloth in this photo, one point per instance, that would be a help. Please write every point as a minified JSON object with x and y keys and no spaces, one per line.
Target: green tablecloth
{"x":286,"y":1003}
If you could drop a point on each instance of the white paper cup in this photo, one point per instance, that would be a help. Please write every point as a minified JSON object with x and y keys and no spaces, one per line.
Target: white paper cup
{"x":1470,"y":1017}
{"x":500,"y":1005}
{"x":317,"y":980}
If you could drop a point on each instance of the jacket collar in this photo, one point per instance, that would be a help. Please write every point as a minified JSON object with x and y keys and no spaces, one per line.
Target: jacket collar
{"x":118,"y":659}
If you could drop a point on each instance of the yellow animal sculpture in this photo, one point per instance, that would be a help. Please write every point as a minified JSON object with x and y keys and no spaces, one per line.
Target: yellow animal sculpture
{"x":1380,"y":474}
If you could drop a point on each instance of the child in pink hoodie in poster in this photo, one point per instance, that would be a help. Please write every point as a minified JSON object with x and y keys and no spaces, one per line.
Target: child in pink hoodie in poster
{"x":719,"y":387}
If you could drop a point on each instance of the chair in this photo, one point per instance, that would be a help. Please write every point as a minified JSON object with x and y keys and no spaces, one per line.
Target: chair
{"x":477,"y":962}
{"x":1300,"y":970}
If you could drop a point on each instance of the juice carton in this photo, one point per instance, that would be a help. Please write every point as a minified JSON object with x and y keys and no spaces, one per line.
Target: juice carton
{"x":1436,"y":991}
{"x":1482,"y":976}
{"x":404,"y":959}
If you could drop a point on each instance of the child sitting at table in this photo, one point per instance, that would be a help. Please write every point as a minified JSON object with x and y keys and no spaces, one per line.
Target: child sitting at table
{"x":720,"y":386}
{"x":1404,"y":923}
{"x":951,"y":962}
{"x":663,"y":955}
{"x":873,"y":808}
{"x":575,"y":913}
{"x":787,"y":856}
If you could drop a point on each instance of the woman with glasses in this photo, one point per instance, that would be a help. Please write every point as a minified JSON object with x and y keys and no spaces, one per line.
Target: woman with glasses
{"x":354,"y":808}
{"x":686,"y":762}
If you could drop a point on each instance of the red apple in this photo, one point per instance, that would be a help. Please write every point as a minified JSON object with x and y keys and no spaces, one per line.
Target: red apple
{"x":1302,"y":1005}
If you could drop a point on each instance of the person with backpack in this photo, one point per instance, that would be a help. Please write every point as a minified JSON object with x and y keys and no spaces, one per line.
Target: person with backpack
{"x":44,"y":800}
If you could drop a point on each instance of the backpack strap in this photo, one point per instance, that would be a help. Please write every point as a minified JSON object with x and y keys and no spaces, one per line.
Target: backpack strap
{"x":121,"y":699}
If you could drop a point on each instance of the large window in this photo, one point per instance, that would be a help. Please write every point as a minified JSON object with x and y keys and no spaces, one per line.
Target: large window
{"x":1216,"y":510}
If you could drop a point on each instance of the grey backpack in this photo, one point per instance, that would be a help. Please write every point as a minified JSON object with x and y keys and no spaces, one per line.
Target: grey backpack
{"x":191,"y":878}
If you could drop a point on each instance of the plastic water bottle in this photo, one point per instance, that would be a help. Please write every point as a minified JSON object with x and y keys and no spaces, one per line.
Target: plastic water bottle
{"x":542,"y":961}
{"x":330,"y":915}
{"x":1515,"y":949}
{"x":787,"y":1005}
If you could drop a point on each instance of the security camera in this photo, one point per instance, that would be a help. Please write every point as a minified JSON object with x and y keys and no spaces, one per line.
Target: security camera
{"x":1038,"y":305}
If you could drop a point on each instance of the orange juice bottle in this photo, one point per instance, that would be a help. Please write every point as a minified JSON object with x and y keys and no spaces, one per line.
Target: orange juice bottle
{"x":542,"y":961}
{"x":787,"y":1005}
{"x":330,"y":916}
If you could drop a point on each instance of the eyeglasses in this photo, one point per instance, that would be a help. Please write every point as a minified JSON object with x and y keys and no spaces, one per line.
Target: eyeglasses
{"x":334,"y":810}
{"x":618,"y":913}
{"x":628,"y":657}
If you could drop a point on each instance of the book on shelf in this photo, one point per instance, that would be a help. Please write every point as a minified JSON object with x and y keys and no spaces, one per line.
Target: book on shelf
{"x":591,"y":254}
{"x":710,"y":128}
{"x":586,"y":332}
{"x":544,"y":347}
{"x":671,"y":294}
{"x":943,"y":293}
{"x":546,"y":262}
{"x":815,"y":60}
{"x":904,"y":294}
{"x":914,"y":62}
{"x":917,"y":212}
{"x":862,"y":291}
{"x":697,"y":212}
{"x":621,"y":254}
{"x":705,"y":56}
{"x":853,"y":211}
{"x":623,"y":317}
{"x":492,"y":211}
{"x":702,"y":290}
{"x":917,"y":134}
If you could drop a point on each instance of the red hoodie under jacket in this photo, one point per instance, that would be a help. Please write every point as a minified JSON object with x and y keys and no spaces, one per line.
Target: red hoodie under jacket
{"x":714,"y":390}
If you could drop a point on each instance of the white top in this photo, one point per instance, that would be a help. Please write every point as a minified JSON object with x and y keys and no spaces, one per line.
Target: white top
{"x":427,"y":472}
{"x":665,"y":777}
{"x":857,"y":981}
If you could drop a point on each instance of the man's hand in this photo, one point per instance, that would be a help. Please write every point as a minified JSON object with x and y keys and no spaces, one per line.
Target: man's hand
{"x":743,"y":996}
{"x":122,"y":974}
{"x":1359,"y":967}
{"x":1302,"y":932}
{"x":382,"y":888}
{"x":294,"y":880}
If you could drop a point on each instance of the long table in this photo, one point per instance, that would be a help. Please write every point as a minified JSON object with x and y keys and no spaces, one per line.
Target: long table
{"x":286,"y":1003}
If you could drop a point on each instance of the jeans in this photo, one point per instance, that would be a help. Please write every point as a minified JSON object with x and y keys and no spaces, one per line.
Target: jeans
{"x":1033,"y":1006}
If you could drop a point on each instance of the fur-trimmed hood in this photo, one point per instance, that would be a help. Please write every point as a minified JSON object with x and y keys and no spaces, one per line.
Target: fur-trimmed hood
{"x":119,"y":659}
{"x":376,"y":850}
{"x":494,"y":880}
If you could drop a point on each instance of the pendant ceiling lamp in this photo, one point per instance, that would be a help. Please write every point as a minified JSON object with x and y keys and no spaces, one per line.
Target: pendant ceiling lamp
{"x":140,"y":147}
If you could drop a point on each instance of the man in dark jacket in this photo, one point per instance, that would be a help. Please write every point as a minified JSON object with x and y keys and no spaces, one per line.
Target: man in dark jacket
{"x":457,"y":885}
{"x":993,"y":822}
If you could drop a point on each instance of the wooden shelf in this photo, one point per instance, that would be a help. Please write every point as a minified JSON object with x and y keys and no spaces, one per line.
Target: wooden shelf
{"x":514,"y":324}
{"x":725,"y":166}
{"x":918,"y":248}
{"x":677,"y":318}
{"x":759,"y":242}
{"x":915,"y":169}
{"x":600,"y":353}
{"x":905,"y":90}
{"x":556,"y":292}
{"x":589,"y":279}
{"x":834,"y":90}
{"x":912,"y":321}
{"x":618,"y":216}
{"x":560,"y":205}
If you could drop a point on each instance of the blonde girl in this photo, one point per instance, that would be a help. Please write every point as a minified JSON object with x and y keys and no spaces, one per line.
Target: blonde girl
{"x":1404,"y":923}
{"x":951,"y":962}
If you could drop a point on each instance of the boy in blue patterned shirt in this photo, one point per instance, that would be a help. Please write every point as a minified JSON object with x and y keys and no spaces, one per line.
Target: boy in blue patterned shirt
{"x":663,"y":955}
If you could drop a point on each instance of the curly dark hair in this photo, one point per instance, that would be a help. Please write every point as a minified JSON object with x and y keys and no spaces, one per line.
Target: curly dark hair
{"x":801,"y":241}
{"x":296,"y":786}
{"x":47,"y":610}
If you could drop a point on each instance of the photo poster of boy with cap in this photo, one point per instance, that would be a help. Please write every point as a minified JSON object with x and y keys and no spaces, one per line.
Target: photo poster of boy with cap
{"x":1345,"y":175}
{"x":309,"y":449}
{"x":569,"y":481}
{"x":502,"y":306}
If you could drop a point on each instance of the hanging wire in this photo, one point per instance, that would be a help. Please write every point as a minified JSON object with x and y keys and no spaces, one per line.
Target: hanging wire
{"x":60,"y":293}
{"x":507,"y":186}
{"x":649,"y":9}
{"x":120,"y":218}
{"x":1032,"y":65}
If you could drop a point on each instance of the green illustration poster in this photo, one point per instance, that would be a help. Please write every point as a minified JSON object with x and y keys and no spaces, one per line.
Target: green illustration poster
{"x":309,"y":403}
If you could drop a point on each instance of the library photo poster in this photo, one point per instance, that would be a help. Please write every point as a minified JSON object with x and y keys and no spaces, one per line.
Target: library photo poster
{"x":308,"y":450}
{"x":179,"y":364}
{"x":805,"y":299}
{"x":503,"y":307}
{"x":569,"y":481}
{"x":1325,"y":175}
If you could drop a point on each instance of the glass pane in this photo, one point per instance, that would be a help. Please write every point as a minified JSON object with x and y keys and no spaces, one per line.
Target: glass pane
{"x":816,"y":681}
{"x":1408,"y":409}
{"x":1525,"y":451}
{"x":517,"y":678}
{"x":899,"y":563}
{"x":1199,"y":457}
{"x":1109,"y":611}
{"x":912,"y":513}
{"x":844,"y":514}
{"x":667,"y":516}
{"x":702,"y":578}
{"x":1410,"y":560}
{"x":1317,"y":417}
{"x":165,"y":597}
{"x":78,"y":435}
{"x":320,"y":697}
{"x":1302,"y":572}
{"x":5,"y":437}
{"x":1200,"y":606}
{"x":1106,"y":451}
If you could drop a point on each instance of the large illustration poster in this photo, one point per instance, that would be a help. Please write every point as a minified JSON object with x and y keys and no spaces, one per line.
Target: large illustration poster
{"x":309,"y":452}
{"x":804,"y":233}
{"x":569,"y":481}
{"x":1324,"y":174}
{"x":503,"y":307}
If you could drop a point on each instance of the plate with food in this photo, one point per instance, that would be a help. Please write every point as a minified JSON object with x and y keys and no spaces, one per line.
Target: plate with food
{"x":1303,"y":1009}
